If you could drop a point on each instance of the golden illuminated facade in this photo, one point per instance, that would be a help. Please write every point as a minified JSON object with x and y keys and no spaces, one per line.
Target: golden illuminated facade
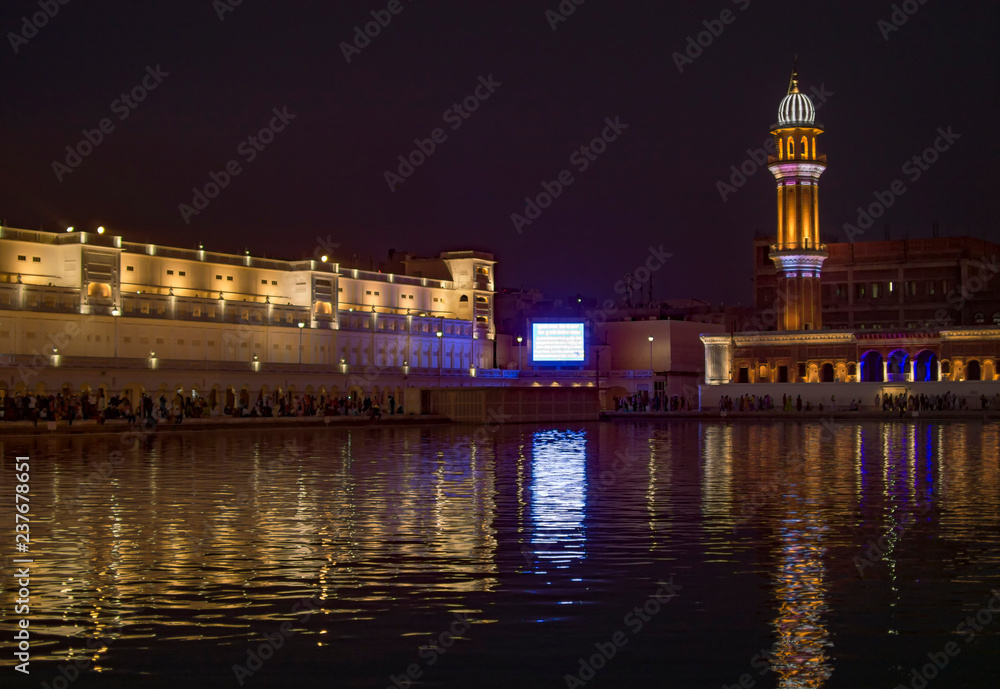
{"x":788,"y":342}
{"x":798,"y":254}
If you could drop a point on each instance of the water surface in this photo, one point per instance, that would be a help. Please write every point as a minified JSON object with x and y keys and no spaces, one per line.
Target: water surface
{"x":796,"y":554}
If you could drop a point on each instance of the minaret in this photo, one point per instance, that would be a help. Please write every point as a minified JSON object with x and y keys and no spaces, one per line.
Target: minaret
{"x":798,"y":254}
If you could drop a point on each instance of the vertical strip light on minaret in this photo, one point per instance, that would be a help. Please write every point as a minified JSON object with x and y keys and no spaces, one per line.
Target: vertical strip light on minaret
{"x":798,"y":254}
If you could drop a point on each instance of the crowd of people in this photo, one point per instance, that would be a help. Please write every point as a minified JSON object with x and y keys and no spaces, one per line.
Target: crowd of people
{"x":901,"y":402}
{"x":643,"y":401}
{"x":90,"y":406}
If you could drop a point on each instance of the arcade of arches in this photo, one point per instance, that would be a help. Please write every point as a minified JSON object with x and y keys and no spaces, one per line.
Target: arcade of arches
{"x":832,"y":357}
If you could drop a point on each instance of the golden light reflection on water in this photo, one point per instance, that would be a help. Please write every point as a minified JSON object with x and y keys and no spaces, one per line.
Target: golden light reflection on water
{"x":198,"y":538}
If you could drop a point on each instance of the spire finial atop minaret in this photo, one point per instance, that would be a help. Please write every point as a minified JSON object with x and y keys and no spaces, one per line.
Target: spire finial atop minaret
{"x":793,"y":83}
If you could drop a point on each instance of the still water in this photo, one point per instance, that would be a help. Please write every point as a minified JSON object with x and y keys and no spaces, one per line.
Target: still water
{"x":628,"y":554}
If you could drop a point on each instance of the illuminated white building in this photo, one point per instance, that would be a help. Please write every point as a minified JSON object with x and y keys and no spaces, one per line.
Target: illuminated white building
{"x":84,"y":310}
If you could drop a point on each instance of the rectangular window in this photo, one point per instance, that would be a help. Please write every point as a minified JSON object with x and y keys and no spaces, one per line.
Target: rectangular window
{"x":274,"y":283}
{"x":263,"y":282}
{"x":22,"y":258}
{"x":229,"y":277}
{"x":368,"y":292}
{"x":876,"y":290}
{"x":376,"y":294}
{"x":36,"y":259}
{"x":170,"y":272}
{"x":930,"y":288}
{"x":411,"y":296}
{"x":859,"y":291}
{"x":218,"y":277}
{"x":130,"y":269}
{"x":182,"y":273}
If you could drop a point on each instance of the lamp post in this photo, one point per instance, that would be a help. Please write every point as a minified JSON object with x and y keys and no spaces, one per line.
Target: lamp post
{"x":519,"y":341}
{"x":301,"y":326}
{"x":115,"y":313}
{"x":652,"y":376}
{"x":440,"y":355}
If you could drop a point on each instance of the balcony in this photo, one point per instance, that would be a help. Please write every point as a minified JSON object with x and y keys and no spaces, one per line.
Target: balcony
{"x":795,"y":246}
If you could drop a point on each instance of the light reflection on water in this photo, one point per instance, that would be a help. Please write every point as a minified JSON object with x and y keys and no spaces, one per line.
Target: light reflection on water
{"x":558,"y":497}
{"x":545,"y":537}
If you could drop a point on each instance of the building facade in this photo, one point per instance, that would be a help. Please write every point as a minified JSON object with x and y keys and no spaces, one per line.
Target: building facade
{"x":888,"y":285}
{"x":929,"y":305}
{"x":83,"y":310}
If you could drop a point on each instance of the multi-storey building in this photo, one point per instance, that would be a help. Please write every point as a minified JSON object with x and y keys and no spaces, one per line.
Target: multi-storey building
{"x":83,"y":310}
{"x":896,"y":284}
{"x":930,"y":306}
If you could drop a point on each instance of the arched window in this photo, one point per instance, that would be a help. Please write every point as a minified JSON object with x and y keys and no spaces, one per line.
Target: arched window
{"x":979,"y":318}
{"x":791,"y":148}
{"x":781,"y":149}
{"x":805,"y":147}
{"x":464,"y":298}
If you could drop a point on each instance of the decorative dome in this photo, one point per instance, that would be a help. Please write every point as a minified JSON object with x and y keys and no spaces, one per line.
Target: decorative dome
{"x":797,"y":108}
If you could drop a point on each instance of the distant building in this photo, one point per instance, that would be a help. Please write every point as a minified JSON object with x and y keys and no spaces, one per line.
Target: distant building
{"x":903,"y":283}
{"x":893,"y":314}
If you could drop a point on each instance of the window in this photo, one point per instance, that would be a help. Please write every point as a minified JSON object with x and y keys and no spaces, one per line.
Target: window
{"x":218,"y":277}
{"x":229,"y":277}
{"x":892,"y":287}
{"x":263,"y":282}
{"x":376,"y":294}
{"x":170,"y":272}
{"x":859,"y":291}
{"x":22,"y":258}
{"x":368,"y":292}
{"x":182,"y":273}
{"x":876,"y":290}
{"x":979,"y":318}
{"x":130,"y":269}
{"x":36,"y":259}
{"x":802,"y":370}
{"x":411,"y":296}
{"x":340,"y":289}
{"x":274,"y":282}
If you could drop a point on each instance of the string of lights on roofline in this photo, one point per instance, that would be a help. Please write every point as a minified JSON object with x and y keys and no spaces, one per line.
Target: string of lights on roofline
{"x":201,"y":247}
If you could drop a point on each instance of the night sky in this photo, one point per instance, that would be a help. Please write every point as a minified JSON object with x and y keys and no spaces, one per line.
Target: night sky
{"x":655,"y":184}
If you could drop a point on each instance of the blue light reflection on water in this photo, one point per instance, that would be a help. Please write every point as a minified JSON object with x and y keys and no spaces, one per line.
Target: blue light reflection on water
{"x":558,"y":497}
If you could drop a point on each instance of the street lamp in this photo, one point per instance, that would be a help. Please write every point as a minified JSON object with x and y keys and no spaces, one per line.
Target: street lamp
{"x":115,"y":313}
{"x":651,"y":354}
{"x":440,"y":355}
{"x":301,"y":326}
{"x":519,"y":341}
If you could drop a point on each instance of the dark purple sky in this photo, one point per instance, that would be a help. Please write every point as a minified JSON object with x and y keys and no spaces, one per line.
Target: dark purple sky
{"x":655,"y":185}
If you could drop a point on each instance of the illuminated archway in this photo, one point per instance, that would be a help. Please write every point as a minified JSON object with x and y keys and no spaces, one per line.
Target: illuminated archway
{"x":871,"y":367}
